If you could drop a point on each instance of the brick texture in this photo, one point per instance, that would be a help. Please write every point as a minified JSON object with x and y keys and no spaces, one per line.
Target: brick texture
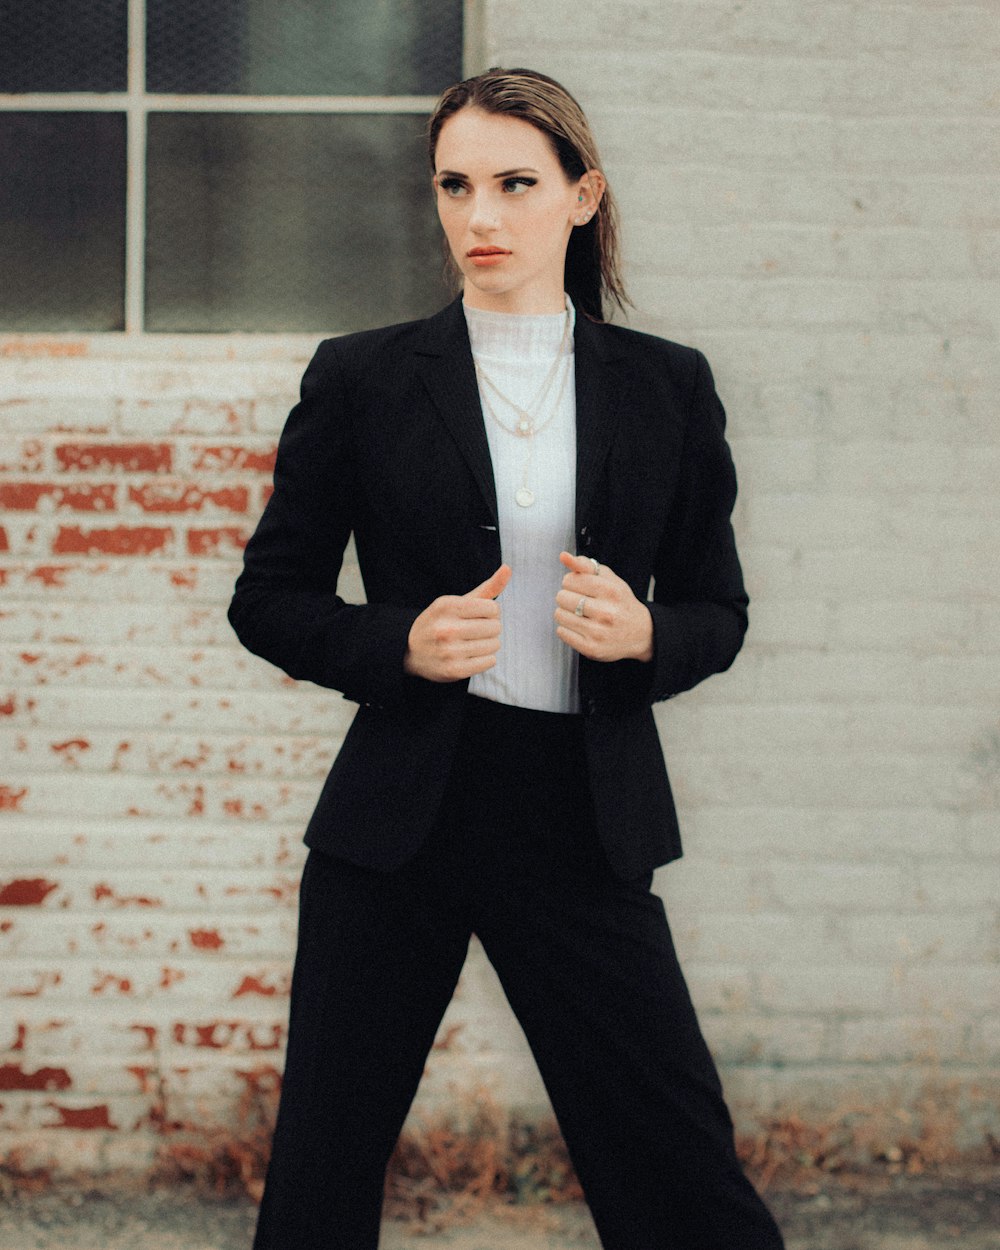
{"x":810,"y":194}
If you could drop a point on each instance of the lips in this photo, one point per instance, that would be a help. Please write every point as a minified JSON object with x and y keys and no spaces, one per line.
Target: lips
{"x":484,"y":257}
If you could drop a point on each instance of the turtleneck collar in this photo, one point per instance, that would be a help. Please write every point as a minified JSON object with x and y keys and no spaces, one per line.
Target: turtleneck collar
{"x":518,"y":336}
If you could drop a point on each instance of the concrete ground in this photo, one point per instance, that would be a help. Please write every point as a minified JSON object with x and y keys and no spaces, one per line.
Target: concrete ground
{"x":956,"y":1211}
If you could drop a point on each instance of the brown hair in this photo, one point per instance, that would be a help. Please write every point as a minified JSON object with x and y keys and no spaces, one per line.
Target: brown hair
{"x":593,"y":264}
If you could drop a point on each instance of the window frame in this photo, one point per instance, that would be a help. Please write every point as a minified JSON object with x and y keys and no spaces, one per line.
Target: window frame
{"x":136,"y":103}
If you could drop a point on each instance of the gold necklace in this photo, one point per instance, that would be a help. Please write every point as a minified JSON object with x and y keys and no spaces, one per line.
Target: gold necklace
{"x":524,"y":496}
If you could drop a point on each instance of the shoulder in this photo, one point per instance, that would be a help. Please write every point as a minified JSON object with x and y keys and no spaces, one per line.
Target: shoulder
{"x":659,"y":362}
{"x":362,"y":350}
{"x":638,"y":344}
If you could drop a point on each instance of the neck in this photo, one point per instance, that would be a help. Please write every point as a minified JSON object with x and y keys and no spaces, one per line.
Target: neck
{"x":526,"y":303}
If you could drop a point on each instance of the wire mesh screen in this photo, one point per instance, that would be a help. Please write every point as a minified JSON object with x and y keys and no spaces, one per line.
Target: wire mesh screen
{"x":303,"y":47}
{"x":289,"y":222}
{"x":62,"y":45}
{"x":62,"y":221}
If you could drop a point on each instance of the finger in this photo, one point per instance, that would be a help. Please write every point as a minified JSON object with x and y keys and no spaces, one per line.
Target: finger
{"x":472,"y":609}
{"x":493,"y":585}
{"x":474,"y":629}
{"x":587,"y":584}
{"x":572,"y":639}
{"x":569,"y":599}
{"x":576,"y":564}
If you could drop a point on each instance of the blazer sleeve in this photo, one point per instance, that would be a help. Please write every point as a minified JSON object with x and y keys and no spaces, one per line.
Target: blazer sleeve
{"x":285,"y":607}
{"x":699,"y":603}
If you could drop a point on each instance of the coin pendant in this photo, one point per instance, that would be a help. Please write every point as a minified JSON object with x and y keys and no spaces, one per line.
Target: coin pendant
{"x":524,"y":497}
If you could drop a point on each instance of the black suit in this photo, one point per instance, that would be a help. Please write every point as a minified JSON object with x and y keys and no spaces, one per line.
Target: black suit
{"x":389,"y":441}
{"x":445,"y":815}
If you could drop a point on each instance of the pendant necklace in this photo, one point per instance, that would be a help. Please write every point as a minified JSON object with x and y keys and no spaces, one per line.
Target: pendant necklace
{"x":527,"y":426}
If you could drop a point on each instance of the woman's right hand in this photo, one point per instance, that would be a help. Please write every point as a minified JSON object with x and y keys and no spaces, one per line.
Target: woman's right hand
{"x":457,"y":635}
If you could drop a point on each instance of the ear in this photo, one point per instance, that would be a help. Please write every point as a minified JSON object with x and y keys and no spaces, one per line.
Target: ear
{"x":589,"y":191}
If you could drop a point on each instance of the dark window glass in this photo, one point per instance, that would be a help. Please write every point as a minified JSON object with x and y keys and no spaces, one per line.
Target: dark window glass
{"x":62,"y":221}
{"x":289,"y":222}
{"x":62,"y":45}
{"x":303,"y":47}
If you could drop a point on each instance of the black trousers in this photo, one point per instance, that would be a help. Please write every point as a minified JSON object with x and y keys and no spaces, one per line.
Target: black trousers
{"x":588,"y":965}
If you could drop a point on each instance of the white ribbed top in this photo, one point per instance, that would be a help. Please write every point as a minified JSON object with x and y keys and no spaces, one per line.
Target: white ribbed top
{"x":534,"y":668}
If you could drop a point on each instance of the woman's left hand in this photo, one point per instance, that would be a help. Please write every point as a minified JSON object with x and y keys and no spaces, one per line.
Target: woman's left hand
{"x":599,"y":616}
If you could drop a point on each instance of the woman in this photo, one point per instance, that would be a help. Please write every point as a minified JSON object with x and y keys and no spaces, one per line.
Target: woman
{"x":515,"y":471}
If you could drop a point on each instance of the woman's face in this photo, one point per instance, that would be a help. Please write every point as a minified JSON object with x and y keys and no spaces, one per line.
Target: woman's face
{"x":507,"y":209}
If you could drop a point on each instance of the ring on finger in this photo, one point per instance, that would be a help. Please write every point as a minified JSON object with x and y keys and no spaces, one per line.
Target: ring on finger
{"x":597,"y":567}
{"x":578,"y":610}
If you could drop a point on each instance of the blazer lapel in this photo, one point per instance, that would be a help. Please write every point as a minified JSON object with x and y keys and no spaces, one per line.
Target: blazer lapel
{"x":600,"y":388}
{"x":445,"y":365}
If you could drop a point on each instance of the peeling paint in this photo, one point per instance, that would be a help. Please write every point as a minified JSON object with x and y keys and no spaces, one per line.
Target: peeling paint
{"x":206,"y":939}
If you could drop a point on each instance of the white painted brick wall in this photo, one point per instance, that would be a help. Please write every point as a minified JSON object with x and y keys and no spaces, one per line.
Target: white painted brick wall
{"x":811,"y":195}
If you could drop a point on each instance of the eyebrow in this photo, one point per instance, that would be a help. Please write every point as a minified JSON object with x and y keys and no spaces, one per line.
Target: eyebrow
{"x":504,"y":173}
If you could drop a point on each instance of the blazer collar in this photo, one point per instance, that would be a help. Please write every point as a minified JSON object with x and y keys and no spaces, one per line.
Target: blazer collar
{"x":445,"y":363}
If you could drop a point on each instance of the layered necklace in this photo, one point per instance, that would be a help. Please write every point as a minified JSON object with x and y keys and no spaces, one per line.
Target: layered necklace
{"x":531,"y":420}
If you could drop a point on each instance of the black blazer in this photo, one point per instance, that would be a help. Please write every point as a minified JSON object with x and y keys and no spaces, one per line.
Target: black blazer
{"x":388,"y":442}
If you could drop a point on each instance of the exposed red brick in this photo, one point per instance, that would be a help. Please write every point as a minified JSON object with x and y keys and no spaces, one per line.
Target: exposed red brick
{"x":214,"y":1036}
{"x":146,"y":1076}
{"x":272,"y":1039}
{"x":149,"y":1031}
{"x":224,"y":539}
{"x":249,"y":459}
{"x":83,"y":1117}
{"x":178,"y":497}
{"x":13,"y":1076}
{"x":110,"y":980}
{"x":131,"y":457}
{"x":102,"y":891}
{"x":8,"y":706}
{"x":263,"y":1079}
{"x":28,"y":458}
{"x":4,"y":540}
{"x":71,"y":748}
{"x":206,"y":939}
{"x":26,"y":892}
{"x":169,"y":977}
{"x":42,"y":981}
{"x":50,"y":575}
{"x":35,"y":346}
{"x":255,"y":985}
{"x":121,"y":540}
{"x":11,"y":799}
{"x":26,"y":496}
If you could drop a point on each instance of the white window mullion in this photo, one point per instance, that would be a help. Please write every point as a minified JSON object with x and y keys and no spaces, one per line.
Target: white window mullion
{"x":135,"y":207}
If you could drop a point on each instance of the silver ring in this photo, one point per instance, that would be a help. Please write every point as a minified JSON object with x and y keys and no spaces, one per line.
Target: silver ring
{"x":597,"y":567}
{"x":578,"y":610}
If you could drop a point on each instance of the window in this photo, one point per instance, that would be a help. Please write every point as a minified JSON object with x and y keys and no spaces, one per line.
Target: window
{"x":249,"y":165}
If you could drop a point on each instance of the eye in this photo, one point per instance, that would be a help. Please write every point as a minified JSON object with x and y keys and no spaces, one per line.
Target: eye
{"x":517,"y":186}
{"x":451,"y":187}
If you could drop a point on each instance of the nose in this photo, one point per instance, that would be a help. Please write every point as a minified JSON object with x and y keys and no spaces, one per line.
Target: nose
{"x":485,"y":213}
